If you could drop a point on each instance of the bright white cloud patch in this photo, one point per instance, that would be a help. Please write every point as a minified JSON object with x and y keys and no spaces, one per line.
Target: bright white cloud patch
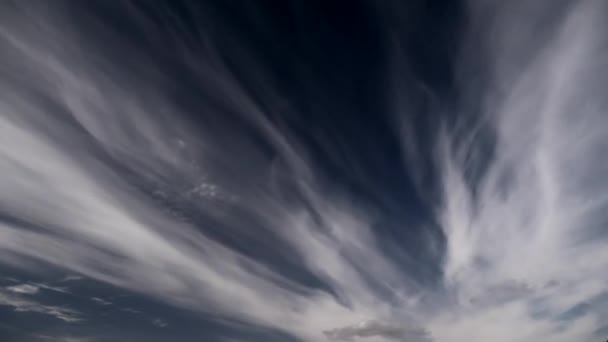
{"x":23,"y":288}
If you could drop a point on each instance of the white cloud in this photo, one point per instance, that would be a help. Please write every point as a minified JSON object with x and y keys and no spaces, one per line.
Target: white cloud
{"x":20,"y":304}
{"x":52,"y":288}
{"x":23,"y":288}
{"x":525,"y":243}
{"x":101,"y":301}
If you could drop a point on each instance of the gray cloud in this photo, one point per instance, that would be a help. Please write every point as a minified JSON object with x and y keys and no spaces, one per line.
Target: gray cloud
{"x":372,"y":329}
{"x":63,"y":338}
{"x":33,"y":288}
{"x":71,"y":278}
{"x":161,"y":323}
{"x":131,"y":310}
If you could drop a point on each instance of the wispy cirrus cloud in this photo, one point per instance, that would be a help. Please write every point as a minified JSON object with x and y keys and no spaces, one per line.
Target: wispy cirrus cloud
{"x":101,"y":301}
{"x":524,"y":238}
{"x":108,"y":230}
{"x":70,"y":278}
{"x":131,"y":310}
{"x":33,"y":288}
{"x":23,"y":304}
{"x":110,"y":181}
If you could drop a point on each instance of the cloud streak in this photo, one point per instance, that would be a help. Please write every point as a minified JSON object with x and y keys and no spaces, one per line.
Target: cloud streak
{"x":23,"y":288}
{"x":21,"y":304}
{"x":101,"y":301}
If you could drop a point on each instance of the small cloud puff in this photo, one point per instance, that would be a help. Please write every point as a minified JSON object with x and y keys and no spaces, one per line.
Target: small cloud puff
{"x":160,"y":323}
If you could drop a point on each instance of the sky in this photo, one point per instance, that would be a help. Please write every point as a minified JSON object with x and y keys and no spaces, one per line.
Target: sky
{"x":303,"y":171}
